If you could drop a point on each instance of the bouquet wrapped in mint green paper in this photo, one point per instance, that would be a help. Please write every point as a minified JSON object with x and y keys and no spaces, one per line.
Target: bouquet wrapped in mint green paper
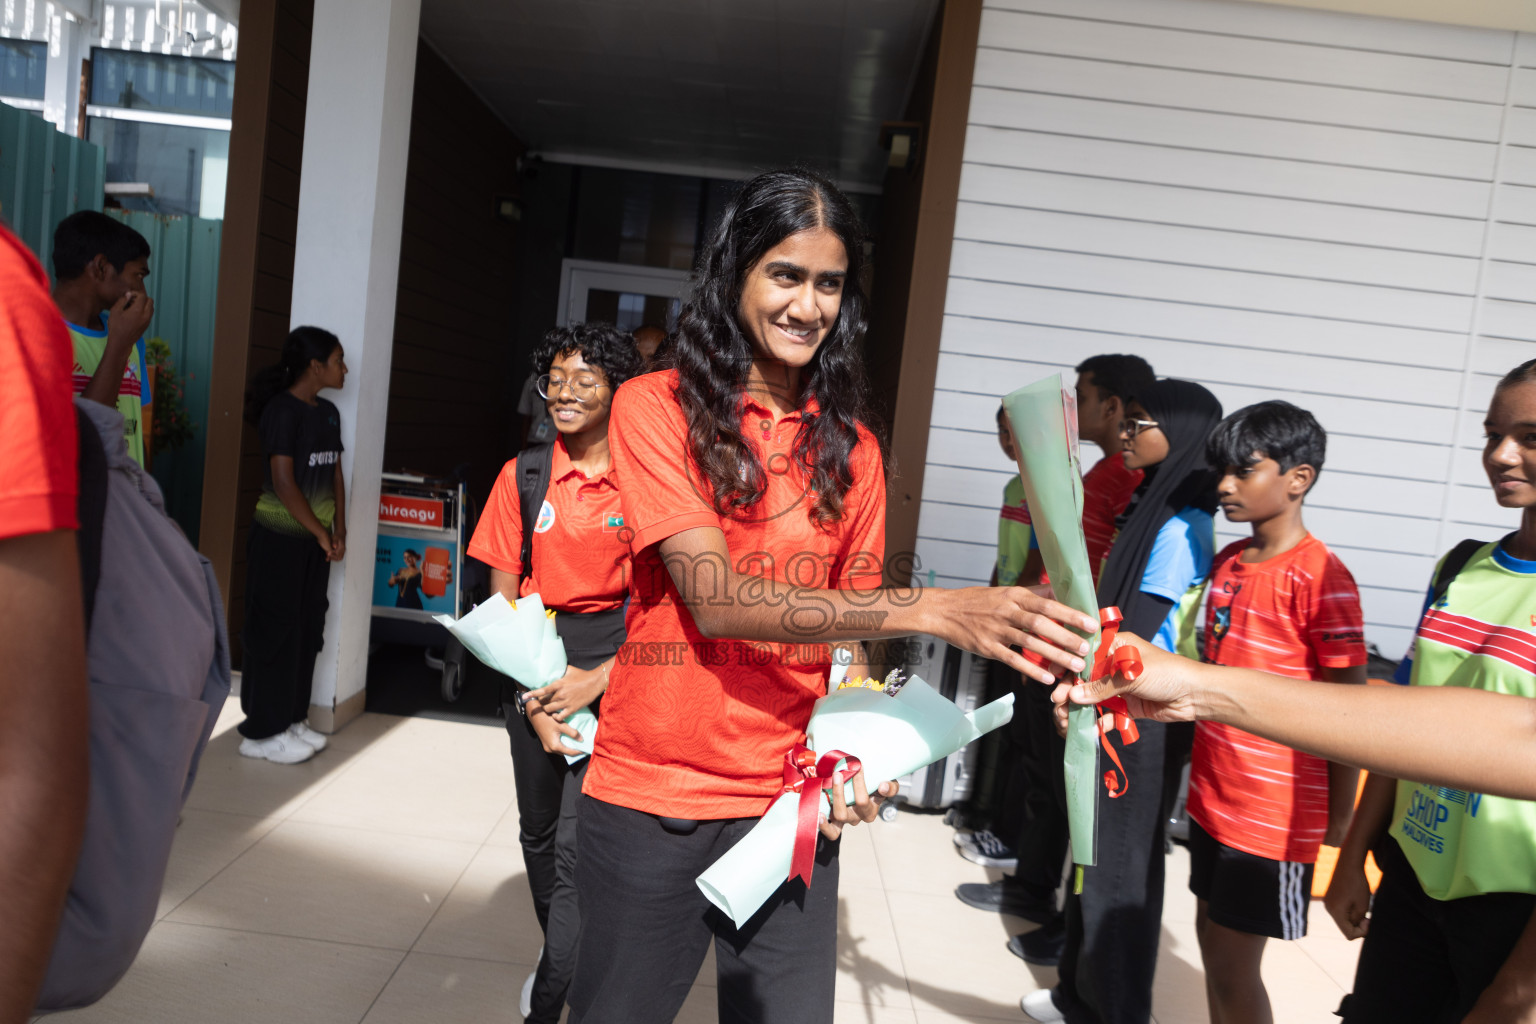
{"x":856,"y":724}
{"x":519,"y":640}
{"x":1043,"y":417}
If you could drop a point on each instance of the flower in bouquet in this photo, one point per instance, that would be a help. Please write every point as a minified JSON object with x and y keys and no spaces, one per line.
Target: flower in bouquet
{"x":517,"y":639}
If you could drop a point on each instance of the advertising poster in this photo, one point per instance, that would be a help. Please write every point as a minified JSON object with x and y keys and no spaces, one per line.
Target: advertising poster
{"x":413,"y":573}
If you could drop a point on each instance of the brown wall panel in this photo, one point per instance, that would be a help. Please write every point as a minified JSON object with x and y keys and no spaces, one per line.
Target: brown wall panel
{"x":282,"y":183}
{"x":274,"y":257}
{"x":451,"y":382}
{"x":288,"y":66}
{"x":274,"y":293}
{"x":285,"y":145}
{"x":919,"y":214}
{"x":280,"y":218}
{"x":436,"y":362}
{"x":255,"y":271}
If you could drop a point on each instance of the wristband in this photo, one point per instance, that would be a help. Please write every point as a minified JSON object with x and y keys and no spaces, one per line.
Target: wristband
{"x":522,"y":701}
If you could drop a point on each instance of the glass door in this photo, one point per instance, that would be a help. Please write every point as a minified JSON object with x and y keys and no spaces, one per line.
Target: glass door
{"x":621,"y":294}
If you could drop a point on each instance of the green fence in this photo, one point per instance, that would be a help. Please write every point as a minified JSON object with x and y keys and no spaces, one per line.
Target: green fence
{"x":183,"y":282}
{"x":45,"y":176}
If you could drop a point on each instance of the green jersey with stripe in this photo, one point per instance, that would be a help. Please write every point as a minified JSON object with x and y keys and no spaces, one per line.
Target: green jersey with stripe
{"x":1013,"y":534}
{"x":1481,"y":635}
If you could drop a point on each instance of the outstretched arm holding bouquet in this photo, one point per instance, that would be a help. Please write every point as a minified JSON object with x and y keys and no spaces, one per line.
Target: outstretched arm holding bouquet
{"x":1449,"y":736}
{"x":988,"y":621}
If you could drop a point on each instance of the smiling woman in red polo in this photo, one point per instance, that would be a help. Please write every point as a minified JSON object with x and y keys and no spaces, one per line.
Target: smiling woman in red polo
{"x":575,"y":557}
{"x":756,"y":497}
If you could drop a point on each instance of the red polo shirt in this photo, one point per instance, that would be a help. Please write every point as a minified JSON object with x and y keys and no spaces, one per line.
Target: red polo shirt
{"x":694,"y":728}
{"x":38,"y":473}
{"x":580,"y":558}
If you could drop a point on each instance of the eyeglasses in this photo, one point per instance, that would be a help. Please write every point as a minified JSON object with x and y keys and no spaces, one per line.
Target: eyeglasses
{"x":582,"y":390}
{"x":1130,"y":428}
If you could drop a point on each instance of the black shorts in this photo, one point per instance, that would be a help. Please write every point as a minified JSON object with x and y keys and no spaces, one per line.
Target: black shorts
{"x":1248,"y":893}
{"x":1450,"y":949}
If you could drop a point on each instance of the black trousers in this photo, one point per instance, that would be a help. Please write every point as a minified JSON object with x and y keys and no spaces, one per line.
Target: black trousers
{"x":1426,"y":961}
{"x":548,"y":798}
{"x":1042,"y":793}
{"x":285,"y":605}
{"x":647,"y":927}
{"x":1114,"y":925}
{"x":548,"y":792}
{"x":999,"y":790}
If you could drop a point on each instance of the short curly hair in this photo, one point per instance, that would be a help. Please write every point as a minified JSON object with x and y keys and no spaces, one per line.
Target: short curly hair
{"x":603,"y":346}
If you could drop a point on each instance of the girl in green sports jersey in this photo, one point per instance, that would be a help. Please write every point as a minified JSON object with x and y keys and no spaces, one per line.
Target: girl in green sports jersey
{"x":1450,"y":934}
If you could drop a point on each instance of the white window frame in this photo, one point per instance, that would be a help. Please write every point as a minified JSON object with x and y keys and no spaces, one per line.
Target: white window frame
{"x":579,"y":277}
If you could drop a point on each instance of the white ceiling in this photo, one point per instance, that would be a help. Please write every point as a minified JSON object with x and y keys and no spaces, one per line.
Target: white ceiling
{"x":729,"y":86}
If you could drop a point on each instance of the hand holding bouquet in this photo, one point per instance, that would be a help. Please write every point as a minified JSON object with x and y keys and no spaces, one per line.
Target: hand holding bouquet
{"x":1043,"y":417}
{"x":518,"y":639}
{"x":887,"y":735}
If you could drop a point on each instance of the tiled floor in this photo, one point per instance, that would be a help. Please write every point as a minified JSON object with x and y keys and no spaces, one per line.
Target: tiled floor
{"x":381,"y":882}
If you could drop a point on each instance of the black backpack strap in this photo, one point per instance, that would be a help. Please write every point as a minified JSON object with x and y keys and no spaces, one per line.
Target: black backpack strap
{"x":533,"y":469}
{"x":1454,"y":562}
{"x":91,"y":507}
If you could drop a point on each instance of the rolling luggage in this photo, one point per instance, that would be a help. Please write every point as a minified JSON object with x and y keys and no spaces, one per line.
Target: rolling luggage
{"x":961,"y":677}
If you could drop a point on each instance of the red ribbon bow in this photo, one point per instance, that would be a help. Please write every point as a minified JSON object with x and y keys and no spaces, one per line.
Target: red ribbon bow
{"x":800,"y":768}
{"x":1113,"y":713}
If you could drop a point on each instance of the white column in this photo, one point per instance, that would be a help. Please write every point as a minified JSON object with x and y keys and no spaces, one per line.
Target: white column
{"x":68,"y":43}
{"x":351,"y":207}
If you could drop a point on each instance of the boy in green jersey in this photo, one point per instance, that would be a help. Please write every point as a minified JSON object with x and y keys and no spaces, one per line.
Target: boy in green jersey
{"x":99,"y":267}
{"x":992,"y":846}
{"x":1450,"y":934}
{"x":1013,"y":529}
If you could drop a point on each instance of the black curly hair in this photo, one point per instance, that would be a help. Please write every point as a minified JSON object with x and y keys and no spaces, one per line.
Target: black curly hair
{"x":603,"y":346}
{"x":713,"y":356}
{"x":1269,"y":430}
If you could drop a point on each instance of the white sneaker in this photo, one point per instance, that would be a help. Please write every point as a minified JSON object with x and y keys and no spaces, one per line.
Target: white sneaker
{"x":280,"y":749}
{"x":986,"y":849}
{"x":1040,"y":1006}
{"x":304,"y":734}
{"x":525,"y":1001}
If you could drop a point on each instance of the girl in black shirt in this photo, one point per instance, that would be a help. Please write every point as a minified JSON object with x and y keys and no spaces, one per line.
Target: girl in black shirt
{"x":298,"y":530}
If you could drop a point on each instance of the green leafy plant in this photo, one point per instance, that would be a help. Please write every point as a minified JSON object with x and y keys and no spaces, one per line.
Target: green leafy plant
{"x":172,"y":427}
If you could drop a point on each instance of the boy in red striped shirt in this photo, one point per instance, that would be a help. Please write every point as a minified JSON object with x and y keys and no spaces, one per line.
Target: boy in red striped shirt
{"x":1283,"y":603}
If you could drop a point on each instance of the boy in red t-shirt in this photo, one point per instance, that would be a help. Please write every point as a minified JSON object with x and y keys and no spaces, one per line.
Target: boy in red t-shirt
{"x":1281,"y":602}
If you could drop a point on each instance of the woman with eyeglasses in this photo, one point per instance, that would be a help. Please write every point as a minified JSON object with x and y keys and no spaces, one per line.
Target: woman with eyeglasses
{"x":553,"y":527}
{"x":755,"y":496}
